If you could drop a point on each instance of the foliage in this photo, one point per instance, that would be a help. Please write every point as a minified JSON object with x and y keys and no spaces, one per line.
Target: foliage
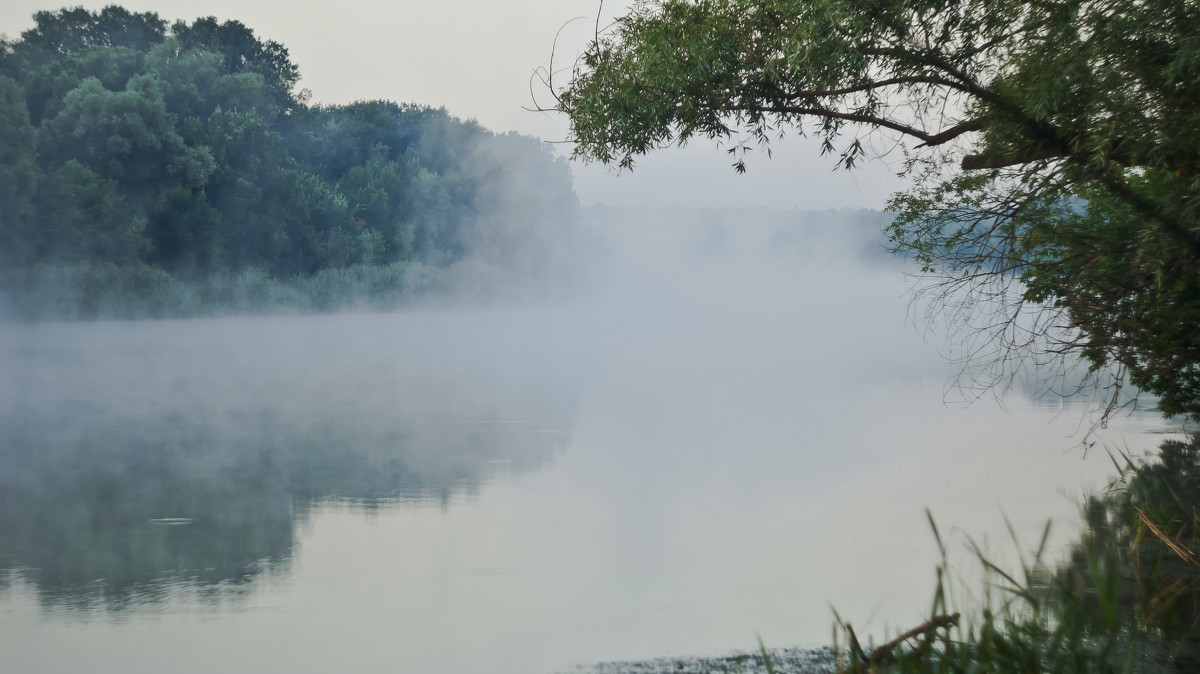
{"x":18,"y":169}
{"x":1126,"y":599}
{"x":1147,"y":533}
{"x":185,"y":147}
{"x":1052,"y":145}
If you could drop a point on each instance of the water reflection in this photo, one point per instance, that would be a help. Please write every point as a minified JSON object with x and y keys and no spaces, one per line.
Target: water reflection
{"x":134,"y":465}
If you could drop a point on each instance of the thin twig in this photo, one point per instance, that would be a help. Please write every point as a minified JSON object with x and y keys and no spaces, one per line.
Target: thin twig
{"x":938,"y":622}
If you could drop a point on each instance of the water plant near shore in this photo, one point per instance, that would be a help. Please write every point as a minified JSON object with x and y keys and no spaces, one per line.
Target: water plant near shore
{"x":1126,"y":598}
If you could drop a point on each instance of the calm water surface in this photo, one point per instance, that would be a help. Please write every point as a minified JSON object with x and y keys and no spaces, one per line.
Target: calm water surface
{"x":712,"y":445}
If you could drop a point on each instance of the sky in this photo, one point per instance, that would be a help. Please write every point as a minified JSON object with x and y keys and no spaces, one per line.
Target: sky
{"x":478,"y":59}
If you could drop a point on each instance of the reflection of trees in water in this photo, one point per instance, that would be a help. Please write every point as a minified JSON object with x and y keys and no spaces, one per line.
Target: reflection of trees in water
{"x":119,"y":509}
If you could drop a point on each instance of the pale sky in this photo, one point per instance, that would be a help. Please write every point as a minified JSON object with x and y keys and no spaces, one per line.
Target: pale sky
{"x":476,"y":58}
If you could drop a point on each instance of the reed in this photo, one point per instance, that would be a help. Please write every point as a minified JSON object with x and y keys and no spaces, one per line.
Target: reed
{"x":1126,"y":598}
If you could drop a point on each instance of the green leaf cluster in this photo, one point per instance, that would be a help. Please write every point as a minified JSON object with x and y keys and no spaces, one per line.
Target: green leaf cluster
{"x":186,"y":146}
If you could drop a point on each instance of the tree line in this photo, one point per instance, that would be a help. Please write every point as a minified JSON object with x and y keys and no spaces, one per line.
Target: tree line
{"x":187,"y":148}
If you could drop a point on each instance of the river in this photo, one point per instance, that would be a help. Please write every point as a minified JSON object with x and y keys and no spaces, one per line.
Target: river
{"x":719,"y":435}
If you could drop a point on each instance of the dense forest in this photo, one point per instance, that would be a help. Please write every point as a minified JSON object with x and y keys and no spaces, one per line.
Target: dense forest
{"x":155,"y":168}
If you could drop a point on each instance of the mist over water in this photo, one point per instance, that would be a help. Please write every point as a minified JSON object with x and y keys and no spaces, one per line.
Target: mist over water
{"x":724,"y":427}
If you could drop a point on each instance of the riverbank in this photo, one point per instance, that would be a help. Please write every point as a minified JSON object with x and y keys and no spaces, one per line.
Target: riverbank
{"x":1126,"y":598}
{"x":782,"y":661}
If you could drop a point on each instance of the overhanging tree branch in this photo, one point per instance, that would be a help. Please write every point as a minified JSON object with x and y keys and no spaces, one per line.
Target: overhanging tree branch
{"x":1057,"y":139}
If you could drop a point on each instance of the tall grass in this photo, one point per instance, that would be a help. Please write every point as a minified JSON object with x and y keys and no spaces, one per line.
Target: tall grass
{"x":1126,"y":599}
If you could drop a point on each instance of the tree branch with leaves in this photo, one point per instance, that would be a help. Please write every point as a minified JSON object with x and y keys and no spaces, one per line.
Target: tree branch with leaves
{"x":1053,"y":146}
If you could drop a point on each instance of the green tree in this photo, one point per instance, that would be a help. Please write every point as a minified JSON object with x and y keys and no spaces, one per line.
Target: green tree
{"x":18,"y":173}
{"x":378,"y":192}
{"x":242,"y":52}
{"x":50,"y":83}
{"x":125,"y":135}
{"x":69,"y":45}
{"x":133,"y":150}
{"x":82,"y":216}
{"x":73,"y":29}
{"x":1052,"y":147}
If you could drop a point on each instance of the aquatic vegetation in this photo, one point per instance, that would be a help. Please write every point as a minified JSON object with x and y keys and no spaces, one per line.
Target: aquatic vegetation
{"x":1126,"y":599}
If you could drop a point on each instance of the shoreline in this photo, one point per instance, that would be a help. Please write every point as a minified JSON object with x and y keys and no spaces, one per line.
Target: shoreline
{"x":822,"y":660}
